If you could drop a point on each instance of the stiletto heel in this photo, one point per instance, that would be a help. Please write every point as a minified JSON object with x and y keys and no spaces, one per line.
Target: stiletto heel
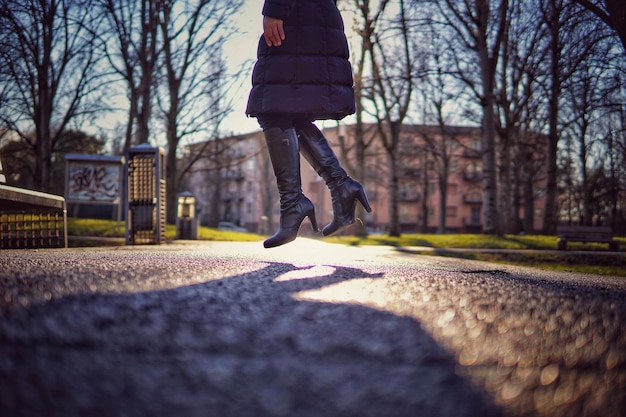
{"x":313,"y":220}
{"x":363,"y":200}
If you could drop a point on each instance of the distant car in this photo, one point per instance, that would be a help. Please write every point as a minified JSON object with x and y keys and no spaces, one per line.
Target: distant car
{"x":231,"y":227}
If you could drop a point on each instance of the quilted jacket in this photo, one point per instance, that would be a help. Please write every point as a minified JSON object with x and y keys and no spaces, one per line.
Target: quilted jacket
{"x":310,"y":72}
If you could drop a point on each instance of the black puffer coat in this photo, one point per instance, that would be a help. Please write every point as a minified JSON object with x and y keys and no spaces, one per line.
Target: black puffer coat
{"x":310,"y":72}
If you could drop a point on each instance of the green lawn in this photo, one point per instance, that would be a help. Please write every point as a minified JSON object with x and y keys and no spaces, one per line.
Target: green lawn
{"x":454,"y":241}
{"x":593,"y":261}
{"x":110,"y":228}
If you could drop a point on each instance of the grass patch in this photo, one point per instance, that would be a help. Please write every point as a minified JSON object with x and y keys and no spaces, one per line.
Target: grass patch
{"x":588,"y":263}
{"x":594,"y":263}
{"x":110,"y":228}
{"x":95,"y":227}
{"x":208,"y":233}
{"x":454,"y":241}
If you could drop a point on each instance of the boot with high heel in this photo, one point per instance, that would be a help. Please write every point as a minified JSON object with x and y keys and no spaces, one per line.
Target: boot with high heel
{"x":345,"y":191}
{"x":294,"y":206}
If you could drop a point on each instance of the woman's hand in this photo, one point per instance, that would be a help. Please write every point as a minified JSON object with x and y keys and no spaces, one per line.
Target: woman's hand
{"x":273,"y":31}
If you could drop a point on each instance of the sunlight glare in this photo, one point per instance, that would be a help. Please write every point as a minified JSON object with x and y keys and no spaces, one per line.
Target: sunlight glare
{"x":365,"y":291}
{"x":312,"y":272}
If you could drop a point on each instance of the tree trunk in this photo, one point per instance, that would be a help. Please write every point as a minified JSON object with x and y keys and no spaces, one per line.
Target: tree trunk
{"x":506,"y":186}
{"x":443,"y":197}
{"x":360,"y":229}
{"x":550,"y":215}
{"x":171,"y":171}
{"x":529,"y":204}
{"x":490,"y":214}
{"x":425,"y":193}
{"x":394,"y":217}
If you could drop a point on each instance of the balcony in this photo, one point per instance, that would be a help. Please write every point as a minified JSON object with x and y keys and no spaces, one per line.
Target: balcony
{"x":472,"y":153}
{"x":473,"y":198}
{"x":473,"y":176}
{"x":232,"y":197}
{"x":233,"y":174}
{"x":408,"y":197}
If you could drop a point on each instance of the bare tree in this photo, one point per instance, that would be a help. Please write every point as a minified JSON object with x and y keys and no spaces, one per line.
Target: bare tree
{"x":394,"y":69}
{"x":611,"y":12}
{"x":588,"y":97}
{"x":48,"y":62}
{"x":552,"y":13}
{"x":570,"y":43}
{"x":194,"y":76}
{"x":519,"y":103}
{"x":132,"y":51}
{"x":438,"y":91}
{"x":365,"y":21}
{"x":481,"y":29}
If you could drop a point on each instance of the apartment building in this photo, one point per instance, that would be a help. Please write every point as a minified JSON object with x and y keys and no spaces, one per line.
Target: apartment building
{"x":233,"y":181}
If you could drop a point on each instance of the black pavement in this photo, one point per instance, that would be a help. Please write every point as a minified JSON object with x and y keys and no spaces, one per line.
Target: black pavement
{"x":306,"y":329}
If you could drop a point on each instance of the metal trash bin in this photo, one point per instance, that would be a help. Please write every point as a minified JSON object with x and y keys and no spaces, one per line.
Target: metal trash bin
{"x":186,"y":222}
{"x":145,"y":195}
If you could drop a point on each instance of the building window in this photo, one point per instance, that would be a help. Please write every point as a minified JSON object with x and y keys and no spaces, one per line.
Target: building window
{"x":451,"y":211}
{"x":405,"y":213}
{"x":475,"y":215}
{"x":473,"y":171}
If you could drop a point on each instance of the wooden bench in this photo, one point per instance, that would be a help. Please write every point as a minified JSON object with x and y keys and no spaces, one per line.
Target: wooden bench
{"x":31,"y":219}
{"x":598,"y":234}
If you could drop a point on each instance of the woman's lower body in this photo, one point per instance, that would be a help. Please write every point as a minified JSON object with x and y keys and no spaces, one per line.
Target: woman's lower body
{"x":286,"y":135}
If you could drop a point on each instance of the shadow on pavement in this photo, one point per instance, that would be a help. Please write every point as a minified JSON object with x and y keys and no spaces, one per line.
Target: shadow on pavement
{"x":238,"y":346}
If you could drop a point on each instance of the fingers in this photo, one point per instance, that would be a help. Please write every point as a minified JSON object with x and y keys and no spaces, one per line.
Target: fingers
{"x":273,"y":31}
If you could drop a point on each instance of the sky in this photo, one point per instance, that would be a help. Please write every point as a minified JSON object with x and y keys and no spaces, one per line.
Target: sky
{"x":240,"y":52}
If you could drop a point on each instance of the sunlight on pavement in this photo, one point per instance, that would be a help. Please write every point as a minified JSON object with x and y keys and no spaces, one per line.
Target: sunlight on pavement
{"x":307,"y":251}
{"x":365,"y":291}
{"x":318,"y":271}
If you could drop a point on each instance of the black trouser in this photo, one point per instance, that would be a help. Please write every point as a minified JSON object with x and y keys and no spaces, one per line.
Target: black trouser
{"x":284,"y":121}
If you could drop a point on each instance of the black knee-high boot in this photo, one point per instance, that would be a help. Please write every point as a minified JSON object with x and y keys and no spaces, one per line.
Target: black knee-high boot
{"x":294,"y":206}
{"x":344,"y":190}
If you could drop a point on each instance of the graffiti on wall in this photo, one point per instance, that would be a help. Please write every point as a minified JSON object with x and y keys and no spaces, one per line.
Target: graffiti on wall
{"x":93,"y":182}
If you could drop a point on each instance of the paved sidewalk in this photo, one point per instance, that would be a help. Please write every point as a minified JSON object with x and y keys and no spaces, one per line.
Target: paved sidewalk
{"x":307,"y":329}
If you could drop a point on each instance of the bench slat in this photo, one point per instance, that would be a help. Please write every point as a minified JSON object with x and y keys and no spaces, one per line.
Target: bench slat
{"x":31,"y":219}
{"x":585,"y":234}
{"x":13,"y":198}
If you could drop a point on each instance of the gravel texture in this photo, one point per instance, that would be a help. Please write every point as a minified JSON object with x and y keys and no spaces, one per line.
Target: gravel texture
{"x":306,"y":329}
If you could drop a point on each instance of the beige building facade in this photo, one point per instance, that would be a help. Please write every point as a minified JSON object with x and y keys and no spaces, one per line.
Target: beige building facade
{"x":233,"y":181}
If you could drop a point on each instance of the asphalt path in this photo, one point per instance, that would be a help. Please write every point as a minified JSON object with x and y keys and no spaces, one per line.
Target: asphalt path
{"x":305,"y":329}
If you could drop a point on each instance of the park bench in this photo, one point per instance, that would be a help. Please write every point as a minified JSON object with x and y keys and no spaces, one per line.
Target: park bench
{"x":31,"y":219}
{"x":586,"y":234}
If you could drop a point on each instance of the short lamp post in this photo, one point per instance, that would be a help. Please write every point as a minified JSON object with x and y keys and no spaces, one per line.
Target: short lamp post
{"x":186,"y":222}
